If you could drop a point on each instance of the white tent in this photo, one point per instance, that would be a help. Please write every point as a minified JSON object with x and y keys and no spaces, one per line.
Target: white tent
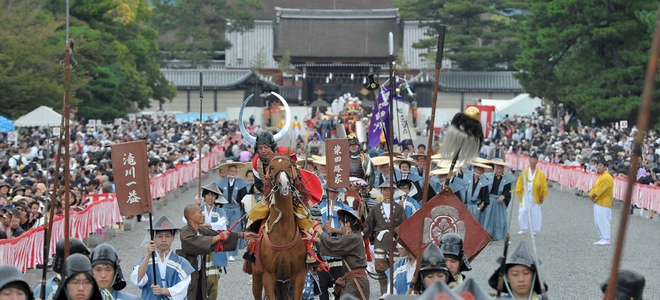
{"x":521,"y":105}
{"x":42,"y":116}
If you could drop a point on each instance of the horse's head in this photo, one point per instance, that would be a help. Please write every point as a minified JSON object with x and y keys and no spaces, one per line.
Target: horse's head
{"x":282,"y":172}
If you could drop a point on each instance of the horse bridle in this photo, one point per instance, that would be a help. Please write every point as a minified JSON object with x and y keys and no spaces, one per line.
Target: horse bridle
{"x":289,"y":175}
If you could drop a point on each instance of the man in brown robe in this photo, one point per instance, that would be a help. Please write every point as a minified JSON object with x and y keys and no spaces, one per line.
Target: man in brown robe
{"x":377,"y":227}
{"x":197,"y":241}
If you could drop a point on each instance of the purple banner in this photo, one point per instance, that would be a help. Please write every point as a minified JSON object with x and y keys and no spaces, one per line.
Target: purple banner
{"x":380,"y":117}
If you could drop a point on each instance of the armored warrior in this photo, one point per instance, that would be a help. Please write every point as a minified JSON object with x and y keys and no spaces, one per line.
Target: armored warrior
{"x":451,"y":245}
{"x":75,"y":246}
{"x":432,"y":268}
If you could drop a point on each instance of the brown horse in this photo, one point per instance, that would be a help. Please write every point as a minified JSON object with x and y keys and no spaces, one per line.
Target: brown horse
{"x":282,"y":250}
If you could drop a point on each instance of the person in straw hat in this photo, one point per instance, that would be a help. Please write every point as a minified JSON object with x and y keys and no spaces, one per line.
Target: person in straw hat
{"x":406,"y":200}
{"x":377,"y":228}
{"x":174,"y":271}
{"x":420,"y":170}
{"x":216,"y":218}
{"x":233,"y":190}
{"x":383,"y":174}
{"x":476,"y":197}
{"x":495,"y":221}
{"x":405,"y":167}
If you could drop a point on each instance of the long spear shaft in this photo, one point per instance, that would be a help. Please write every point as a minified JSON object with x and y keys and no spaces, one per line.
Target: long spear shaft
{"x":427,"y":175}
{"x":51,"y":214}
{"x":67,"y":116}
{"x":201,"y":126}
{"x":642,"y":122}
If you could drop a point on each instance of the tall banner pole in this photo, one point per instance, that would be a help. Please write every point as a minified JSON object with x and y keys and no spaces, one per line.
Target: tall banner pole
{"x":427,"y":175}
{"x":201,"y":133}
{"x":67,"y":115}
{"x":642,"y":122}
{"x":390,"y":148}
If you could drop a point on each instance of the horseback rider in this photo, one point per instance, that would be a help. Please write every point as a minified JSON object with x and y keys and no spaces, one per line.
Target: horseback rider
{"x":266,"y":148}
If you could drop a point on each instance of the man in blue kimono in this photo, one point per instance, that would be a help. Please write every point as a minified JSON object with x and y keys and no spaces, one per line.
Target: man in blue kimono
{"x":172,"y":276}
{"x":477,"y":197}
{"x":404,"y":271}
{"x":437,"y":184}
{"x":407,"y":201}
{"x":75,"y":246}
{"x":233,"y":189}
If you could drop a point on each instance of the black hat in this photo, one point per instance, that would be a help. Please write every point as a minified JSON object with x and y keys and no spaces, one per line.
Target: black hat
{"x":75,"y":246}
{"x":630,"y":285}
{"x":164,"y":224}
{"x":76,"y":264}
{"x":12,"y":277}
{"x":452,"y":244}
{"x":350,"y":215}
{"x":470,"y":287}
{"x":521,"y":255}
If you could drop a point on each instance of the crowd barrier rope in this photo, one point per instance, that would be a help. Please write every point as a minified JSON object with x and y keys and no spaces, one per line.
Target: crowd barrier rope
{"x":26,"y":251}
{"x":644,"y":196}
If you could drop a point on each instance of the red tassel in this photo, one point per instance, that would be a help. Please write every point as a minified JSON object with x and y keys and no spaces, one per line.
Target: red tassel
{"x":367,"y":250}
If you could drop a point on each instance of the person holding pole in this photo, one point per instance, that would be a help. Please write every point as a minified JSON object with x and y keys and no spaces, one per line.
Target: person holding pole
{"x":174,"y":272}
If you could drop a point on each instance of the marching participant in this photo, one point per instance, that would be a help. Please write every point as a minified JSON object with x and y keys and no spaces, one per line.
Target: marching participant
{"x":630,"y":285}
{"x":432,"y":268}
{"x":79,"y":283}
{"x":52,"y":284}
{"x":404,"y":271}
{"x":532,"y":189}
{"x":495,"y":221}
{"x":451,"y":246}
{"x":382,"y":162}
{"x":477,"y":191}
{"x":12,"y":284}
{"x":405,"y":166}
{"x":350,"y":247}
{"x":420,"y":169}
{"x":331,"y":226}
{"x":234,"y":189}
{"x":520,"y":275}
{"x":215,"y":218}
{"x":377,"y":228}
{"x":360,"y":165}
{"x":107,"y":273}
{"x":406,"y":200}
{"x":173,"y":277}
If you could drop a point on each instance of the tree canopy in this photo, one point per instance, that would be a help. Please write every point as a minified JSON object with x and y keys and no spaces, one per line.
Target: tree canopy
{"x":114,"y":48}
{"x":590,"y":53}
{"x":481,"y":33}
{"x":194,"y":30}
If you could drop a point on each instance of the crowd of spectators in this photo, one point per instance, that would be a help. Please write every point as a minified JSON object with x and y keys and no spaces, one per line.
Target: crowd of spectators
{"x":27,"y":167}
{"x":562,"y":138}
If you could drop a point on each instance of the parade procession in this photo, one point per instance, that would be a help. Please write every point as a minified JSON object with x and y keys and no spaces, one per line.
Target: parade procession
{"x":341,"y":150}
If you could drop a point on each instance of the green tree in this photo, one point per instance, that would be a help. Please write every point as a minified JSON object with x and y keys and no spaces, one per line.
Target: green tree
{"x":30,"y":73}
{"x":199,"y":26}
{"x":591,"y":53}
{"x":116,"y":50}
{"x":480,"y":35}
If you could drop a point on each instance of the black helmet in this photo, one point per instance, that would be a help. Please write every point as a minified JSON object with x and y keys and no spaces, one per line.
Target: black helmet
{"x":353,"y":140}
{"x":521,"y":255}
{"x":75,"y":246}
{"x":630,"y":285}
{"x":451,"y":244}
{"x":106,"y":254}
{"x":76,"y":264}
{"x":265,"y":137}
{"x":12,"y":277}
{"x":470,"y":287}
{"x":432,"y":261}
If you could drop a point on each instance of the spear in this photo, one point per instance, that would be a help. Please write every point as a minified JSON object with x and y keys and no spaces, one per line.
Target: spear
{"x":642,"y":122}
{"x":68,"y":49}
{"x":51,"y":213}
{"x":427,"y":175}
